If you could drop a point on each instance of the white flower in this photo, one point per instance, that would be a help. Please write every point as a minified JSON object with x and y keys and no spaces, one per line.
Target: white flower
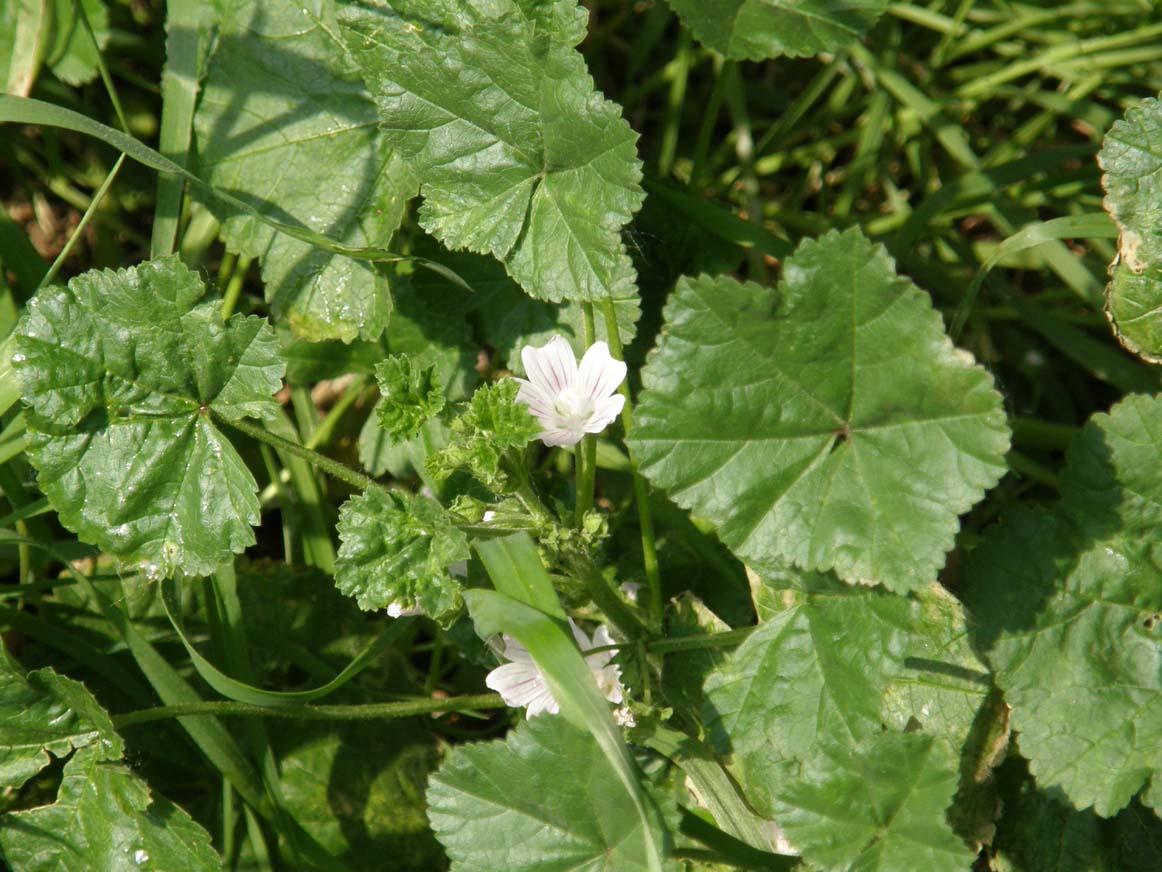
{"x":570,"y":400}
{"x":397,"y":609}
{"x":520,"y":683}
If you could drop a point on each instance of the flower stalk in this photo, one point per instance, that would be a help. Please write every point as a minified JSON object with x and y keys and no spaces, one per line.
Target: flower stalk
{"x":640,"y":488}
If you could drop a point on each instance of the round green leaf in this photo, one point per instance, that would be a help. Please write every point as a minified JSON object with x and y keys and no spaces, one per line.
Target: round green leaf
{"x":879,"y":808}
{"x":121,"y":372}
{"x":285,"y":124}
{"x":518,"y":156}
{"x":544,"y":799}
{"x":760,"y":29}
{"x":1069,"y":608}
{"x":829,"y":422}
{"x":833,"y":663}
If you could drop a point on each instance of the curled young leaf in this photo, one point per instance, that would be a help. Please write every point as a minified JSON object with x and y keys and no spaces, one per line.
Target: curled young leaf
{"x":396,"y":550}
{"x":412,"y":395}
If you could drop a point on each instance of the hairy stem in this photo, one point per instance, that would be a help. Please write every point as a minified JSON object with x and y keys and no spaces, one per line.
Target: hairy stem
{"x":373,"y":711}
{"x":587,"y":450}
{"x":332,"y":467}
{"x":640,"y":488}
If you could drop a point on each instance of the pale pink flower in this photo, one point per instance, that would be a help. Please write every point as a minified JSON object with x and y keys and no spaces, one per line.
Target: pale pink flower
{"x":570,"y":400}
{"x":521,"y":683}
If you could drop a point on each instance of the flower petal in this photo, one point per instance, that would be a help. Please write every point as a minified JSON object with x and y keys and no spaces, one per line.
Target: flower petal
{"x":605,"y":411}
{"x":521,"y":684}
{"x":539,"y":402}
{"x":599,"y":374}
{"x":562,"y":437}
{"x":552,"y":367}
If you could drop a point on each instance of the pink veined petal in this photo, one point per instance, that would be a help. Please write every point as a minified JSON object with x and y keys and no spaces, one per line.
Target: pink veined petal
{"x":599,"y":374}
{"x":583,"y":641}
{"x":552,"y":367}
{"x":601,"y":639}
{"x":542,"y":703}
{"x":562,"y":437}
{"x":604,"y":412}
{"x":515,"y":651}
{"x":519,"y":684}
{"x":539,"y":402}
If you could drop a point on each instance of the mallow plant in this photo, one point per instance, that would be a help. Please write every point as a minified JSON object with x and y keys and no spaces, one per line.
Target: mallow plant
{"x":710,"y":569}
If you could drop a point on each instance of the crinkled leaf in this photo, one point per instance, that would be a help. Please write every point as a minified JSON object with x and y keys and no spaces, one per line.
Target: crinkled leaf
{"x":104,"y":818}
{"x":411,"y":396}
{"x":876,"y":808}
{"x":284,"y":123}
{"x":43,"y":713}
{"x":829,"y":422}
{"x":122,"y":373}
{"x":493,"y":423}
{"x":1131,"y":156}
{"x":396,"y":548}
{"x":518,"y":156}
{"x":835,"y":664}
{"x":544,"y":799}
{"x":758,"y":29}
{"x":1068,"y":604}
{"x":69,"y":49}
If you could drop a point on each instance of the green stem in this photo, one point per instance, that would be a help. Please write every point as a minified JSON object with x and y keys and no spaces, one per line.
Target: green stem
{"x":1031,"y":469}
{"x":372,"y":711}
{"x":329,"y":466}
{"x":606,"y":598}
{"x":640,"y":488}
{"x":234,"y":289}
{"x":1033,"y":433}
{"x":724,"y":639}
{"x":587,"y":451}
{"x":106,"y":79}
{"x":709,"y":119}
{"x":90,"y":211}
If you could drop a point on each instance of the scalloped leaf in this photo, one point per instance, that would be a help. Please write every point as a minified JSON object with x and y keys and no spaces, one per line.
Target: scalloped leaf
{"x":1069,"y":609}
{"x":877,"y":808}
{"x":123,"y":373}
{"x":760,"y":29}
{"x":396,"y":549}
{"x":44,"y":713}
{"x":545,"y":799}
{"x":518,"y":156}
{"x":284,"y":123}
{"x":105,"y":817}
{"x":69,"y":50}
{"x":1131,"y":156}
{"x":829,"y":422}
{"x":834,"y":664}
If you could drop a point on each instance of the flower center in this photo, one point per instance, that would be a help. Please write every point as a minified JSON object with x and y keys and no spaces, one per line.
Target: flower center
{"x":573,"y":409}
